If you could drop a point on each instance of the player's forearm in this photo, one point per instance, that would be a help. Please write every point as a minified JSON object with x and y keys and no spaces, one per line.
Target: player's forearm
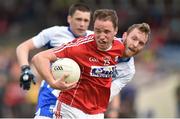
{"x":41,"y":62}
{"x":22,"y":52}
{"x":22,"y":55}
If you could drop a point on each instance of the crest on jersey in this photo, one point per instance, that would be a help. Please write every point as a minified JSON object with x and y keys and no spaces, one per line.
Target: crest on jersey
{"x":107,"y":60}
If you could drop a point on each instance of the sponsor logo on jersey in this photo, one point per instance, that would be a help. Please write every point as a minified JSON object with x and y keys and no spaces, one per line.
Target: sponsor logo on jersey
{"x":102,"y":71}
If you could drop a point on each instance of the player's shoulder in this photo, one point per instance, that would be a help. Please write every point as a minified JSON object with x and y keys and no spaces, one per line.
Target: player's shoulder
{"x":118,"y":39}
{"x":85,"y":39}
{"x":89,"y":37}
{"x":126,"y":64}
{"x":82,"y":40}
{"x":129,"y":60}
{"x":57,"y":31}
{"x":57,"y":28}
{"x":118,"y":44}
{"x":89,"y":32}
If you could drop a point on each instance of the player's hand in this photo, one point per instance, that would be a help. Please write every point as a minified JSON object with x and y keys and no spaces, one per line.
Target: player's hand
{"x":26,"y":77}
{"x":62,"y":85}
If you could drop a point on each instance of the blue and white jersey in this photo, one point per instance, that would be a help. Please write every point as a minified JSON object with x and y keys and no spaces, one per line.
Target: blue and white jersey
{"x":55,"y":36}
{"x":51,"y":37}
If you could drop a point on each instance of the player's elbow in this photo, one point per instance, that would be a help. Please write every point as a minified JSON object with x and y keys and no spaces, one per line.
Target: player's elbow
{"x":36,"y":59}
{"x":18,"y":49}
{"x":22,"y":49}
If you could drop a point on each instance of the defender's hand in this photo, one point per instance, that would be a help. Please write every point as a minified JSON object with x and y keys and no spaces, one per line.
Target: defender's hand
{"x":26,"y":77}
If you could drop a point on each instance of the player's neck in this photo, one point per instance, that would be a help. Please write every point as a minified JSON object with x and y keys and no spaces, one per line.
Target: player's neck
{"x":75,"y":35}
{"x":105,"y":49}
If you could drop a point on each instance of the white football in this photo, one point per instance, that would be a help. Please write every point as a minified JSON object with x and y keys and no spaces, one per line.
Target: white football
{"x":66,"y":65}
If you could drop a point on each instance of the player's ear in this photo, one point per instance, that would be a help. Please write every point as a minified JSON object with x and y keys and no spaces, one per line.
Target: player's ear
{"x":116,"y":30}
{"x":124,"y":35}
{"x":69,"y":19}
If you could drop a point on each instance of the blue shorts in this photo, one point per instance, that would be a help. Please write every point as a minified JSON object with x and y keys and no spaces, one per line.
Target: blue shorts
{"x":46,"y":100}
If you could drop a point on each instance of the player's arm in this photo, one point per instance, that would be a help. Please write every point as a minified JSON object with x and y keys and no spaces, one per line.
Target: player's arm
{"x":22,"y":52}
{"x":114,"y":107}
{"x":42,"y":62}
{"x":125,"y":73}
{"x":120,"y":82}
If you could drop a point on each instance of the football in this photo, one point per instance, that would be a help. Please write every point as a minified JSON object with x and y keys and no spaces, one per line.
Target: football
{"x":66,"y":65}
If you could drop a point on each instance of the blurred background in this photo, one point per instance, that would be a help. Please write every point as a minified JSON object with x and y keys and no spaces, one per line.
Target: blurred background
{"x":154,"y":91}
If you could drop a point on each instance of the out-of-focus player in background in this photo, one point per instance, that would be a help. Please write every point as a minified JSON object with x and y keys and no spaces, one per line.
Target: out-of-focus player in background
{"x":78,"y":19}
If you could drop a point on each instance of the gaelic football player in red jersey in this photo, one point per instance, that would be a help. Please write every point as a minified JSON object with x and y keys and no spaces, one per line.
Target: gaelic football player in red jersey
{"x":90,"y":95}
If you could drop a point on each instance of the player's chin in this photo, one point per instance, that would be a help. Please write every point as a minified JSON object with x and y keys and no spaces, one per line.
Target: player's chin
{"x":129,"y":54}
{"x":81,"y":32}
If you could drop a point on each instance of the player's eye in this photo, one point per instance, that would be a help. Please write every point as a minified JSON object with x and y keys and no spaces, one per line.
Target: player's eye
{"x":86,"y":20}
{"x":97,"y":31}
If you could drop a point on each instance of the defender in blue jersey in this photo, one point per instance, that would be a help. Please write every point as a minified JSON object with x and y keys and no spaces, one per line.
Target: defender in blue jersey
{"x":78,"y":19}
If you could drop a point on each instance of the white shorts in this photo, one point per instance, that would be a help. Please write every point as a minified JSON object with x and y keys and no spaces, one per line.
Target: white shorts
{"x":68,"y":112}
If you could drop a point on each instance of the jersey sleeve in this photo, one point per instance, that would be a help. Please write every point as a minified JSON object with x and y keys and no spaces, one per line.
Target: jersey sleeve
{"x":125,"y":73}
{"x":69,"y":49}
{"x":61,"y":51}
{"x":89,"y":32}
{"x":44,"y":37}
{"x":66,"y":49}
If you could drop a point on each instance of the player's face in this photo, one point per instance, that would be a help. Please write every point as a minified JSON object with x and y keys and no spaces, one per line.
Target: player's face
{"x":104,"y":34}
{"x":134,"y":42}
{"x":79,"y":22}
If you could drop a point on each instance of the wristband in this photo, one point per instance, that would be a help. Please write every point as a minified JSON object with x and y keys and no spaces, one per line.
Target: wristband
{"x":25,"y":67}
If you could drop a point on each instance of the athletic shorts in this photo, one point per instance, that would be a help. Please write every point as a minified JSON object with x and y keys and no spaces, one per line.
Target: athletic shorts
{"x":64,"y":111}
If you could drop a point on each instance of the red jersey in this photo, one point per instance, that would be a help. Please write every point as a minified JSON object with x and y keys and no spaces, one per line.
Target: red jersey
{"x":91,"y":95}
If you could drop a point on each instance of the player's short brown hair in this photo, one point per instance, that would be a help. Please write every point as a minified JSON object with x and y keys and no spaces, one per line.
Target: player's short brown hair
{"x":106,"y":14}
{"x":143,"y":27}
{"x":80,"y":7}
